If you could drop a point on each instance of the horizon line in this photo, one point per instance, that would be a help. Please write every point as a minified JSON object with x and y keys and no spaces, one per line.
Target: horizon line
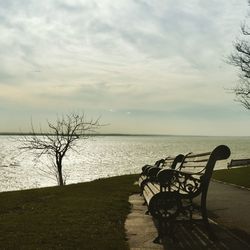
{"x":119,"y":134}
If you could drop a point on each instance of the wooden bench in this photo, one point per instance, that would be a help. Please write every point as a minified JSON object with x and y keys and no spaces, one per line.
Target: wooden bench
{"x":150,"y":172}
{"x":172,"y":194}
{"x":238,"y":162}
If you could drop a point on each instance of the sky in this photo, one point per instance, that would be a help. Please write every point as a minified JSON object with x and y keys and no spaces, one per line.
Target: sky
{"x":142,"y":66}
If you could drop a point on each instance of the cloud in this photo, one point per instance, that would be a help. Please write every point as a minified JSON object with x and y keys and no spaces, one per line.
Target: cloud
{"x":117,"y":55}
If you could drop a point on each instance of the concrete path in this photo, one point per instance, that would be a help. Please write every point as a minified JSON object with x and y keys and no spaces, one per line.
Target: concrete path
{"x":227,"y":205}
{"x":141,"y":230}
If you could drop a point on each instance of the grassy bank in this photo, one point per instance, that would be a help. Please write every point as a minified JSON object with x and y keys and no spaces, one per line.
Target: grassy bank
{"x":81,"y":216}
{"x":238,"y":176}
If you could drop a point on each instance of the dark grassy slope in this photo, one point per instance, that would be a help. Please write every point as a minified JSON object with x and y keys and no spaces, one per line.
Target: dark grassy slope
{"x":82,"y":216}
{"x":238,"y":176}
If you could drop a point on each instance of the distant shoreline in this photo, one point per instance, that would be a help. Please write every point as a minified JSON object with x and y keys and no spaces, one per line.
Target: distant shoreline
{"x":121,"y":134}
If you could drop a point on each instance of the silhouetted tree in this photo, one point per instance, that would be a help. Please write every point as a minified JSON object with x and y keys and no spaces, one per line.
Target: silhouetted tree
{"x":60,"y":137}
{"x":240,"y":58}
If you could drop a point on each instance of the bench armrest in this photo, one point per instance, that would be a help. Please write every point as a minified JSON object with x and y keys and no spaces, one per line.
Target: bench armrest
{"x":165,"y":176}
{"x":180,"y":181}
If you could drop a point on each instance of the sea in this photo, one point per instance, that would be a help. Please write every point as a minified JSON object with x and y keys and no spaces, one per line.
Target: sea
{"x":103,"y":156}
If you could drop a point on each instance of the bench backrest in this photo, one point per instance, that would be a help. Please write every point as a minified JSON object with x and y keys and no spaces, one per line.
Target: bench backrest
{"x":173,"y":162}
{"x":195,"y":163}
{"x":203,"y":163}
{"x":195,"y":172}
{"x":169,"y":163}
{"x":238,"y":162}
{"x":158,"y":163}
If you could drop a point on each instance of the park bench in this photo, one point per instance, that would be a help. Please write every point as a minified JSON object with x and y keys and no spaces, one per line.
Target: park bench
{"x":170,"y":198}
{"x":150,"y":172}
{"x":238,"y":163}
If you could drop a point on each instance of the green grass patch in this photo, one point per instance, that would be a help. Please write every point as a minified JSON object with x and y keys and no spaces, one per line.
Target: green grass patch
{"x":238,"y":176}
{"x":81,"y":216}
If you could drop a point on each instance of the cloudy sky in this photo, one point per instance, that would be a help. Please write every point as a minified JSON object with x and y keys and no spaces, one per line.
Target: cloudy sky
{"x":144,"y":66}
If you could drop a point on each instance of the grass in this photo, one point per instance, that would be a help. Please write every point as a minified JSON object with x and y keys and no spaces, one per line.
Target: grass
{"x":80,"y":216}
{"x":238,"y":176}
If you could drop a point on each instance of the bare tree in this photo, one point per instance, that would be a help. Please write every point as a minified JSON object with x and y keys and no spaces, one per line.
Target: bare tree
{"x":240,"y":58}
{"x":60,"y":137}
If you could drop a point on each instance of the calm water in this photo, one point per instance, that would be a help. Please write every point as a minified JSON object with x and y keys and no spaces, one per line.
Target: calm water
{"x":104,"y":156}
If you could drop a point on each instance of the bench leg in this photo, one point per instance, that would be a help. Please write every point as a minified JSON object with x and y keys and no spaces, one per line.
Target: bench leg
{"x":167,"y":228}
{"x":191,"y":209}
{"x":211,"y":234}
{"x":158,"y":239}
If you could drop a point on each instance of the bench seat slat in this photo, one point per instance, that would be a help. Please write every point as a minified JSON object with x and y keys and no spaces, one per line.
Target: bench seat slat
{"x":154,"y":187}
{"x":201,"y":160}
{"x":191,"y":155}
{"x":193,"y":166}
{"x":148,"y":194}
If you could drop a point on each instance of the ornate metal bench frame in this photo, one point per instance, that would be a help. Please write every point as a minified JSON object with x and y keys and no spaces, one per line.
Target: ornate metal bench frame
{"x":173,"y":191}
{"x":150,"y":172}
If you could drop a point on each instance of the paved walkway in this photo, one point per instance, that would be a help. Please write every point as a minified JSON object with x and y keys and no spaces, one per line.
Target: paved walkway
{"x":227,"y":205}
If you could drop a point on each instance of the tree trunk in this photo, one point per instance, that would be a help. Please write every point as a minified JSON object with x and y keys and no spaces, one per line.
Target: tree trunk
{"x":59,"y":170}
{"x":60,"y":177}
